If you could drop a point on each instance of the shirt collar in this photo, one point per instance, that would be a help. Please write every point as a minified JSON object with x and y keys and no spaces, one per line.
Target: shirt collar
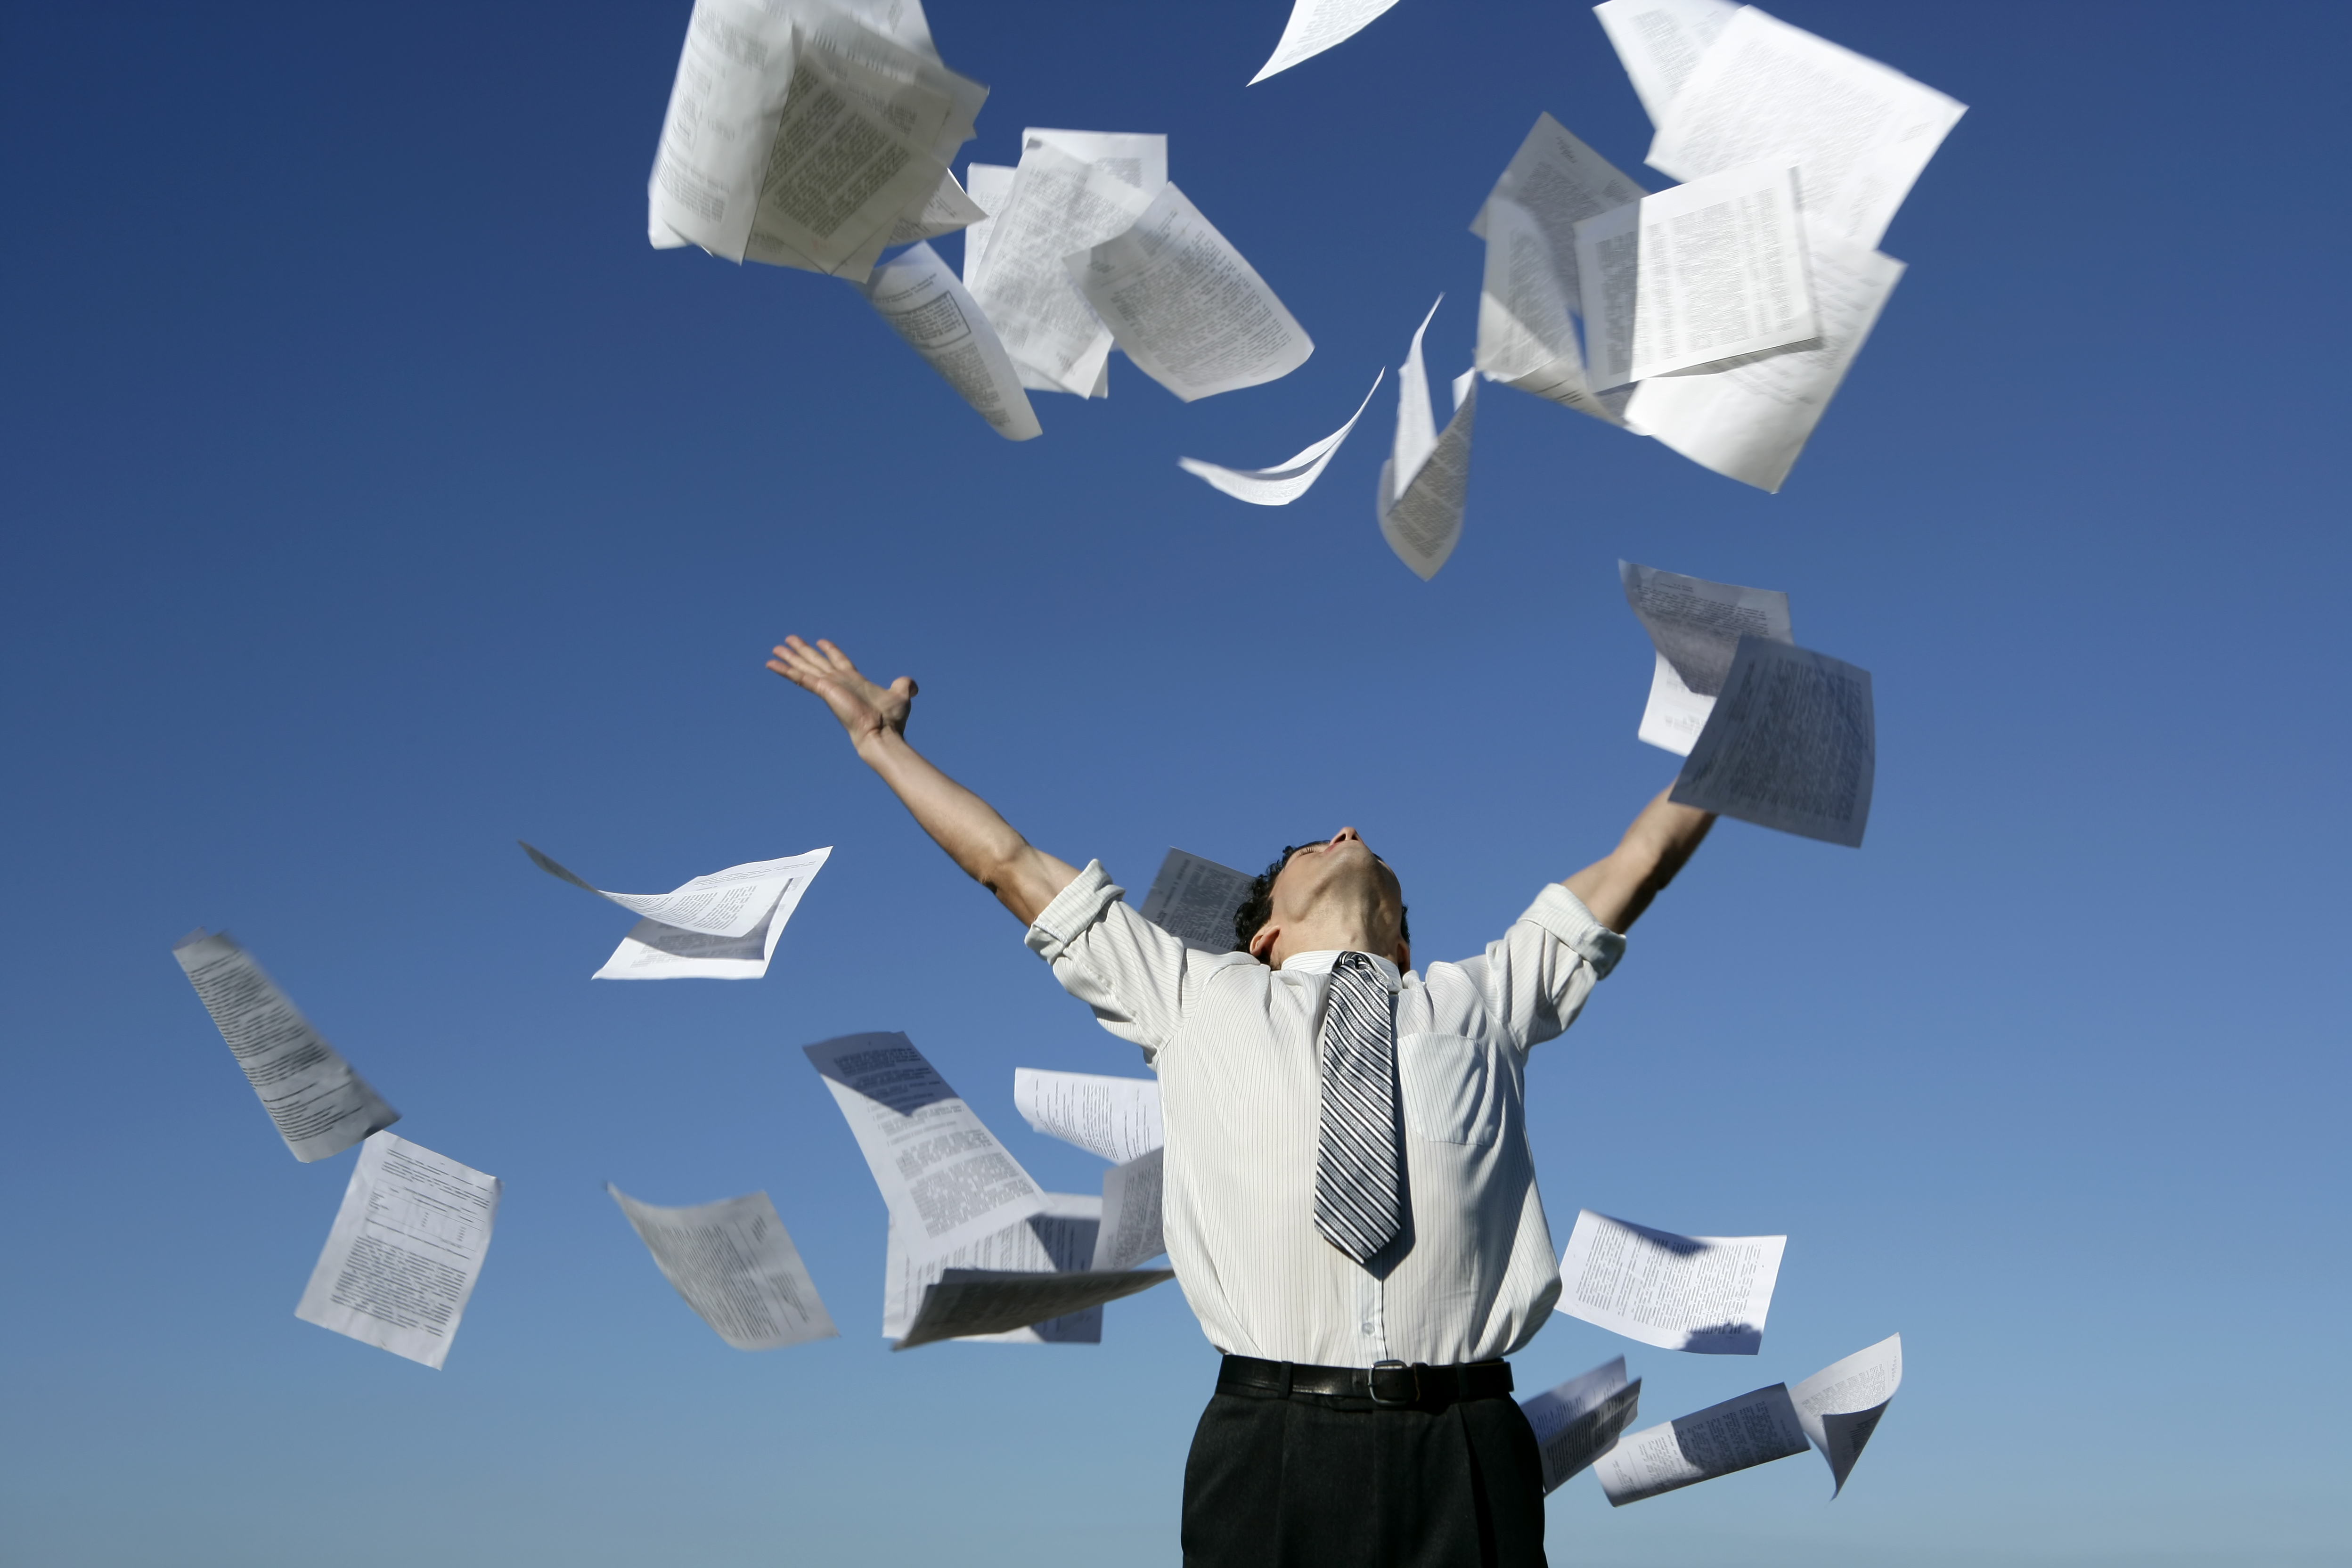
{"x":1322,"y":962}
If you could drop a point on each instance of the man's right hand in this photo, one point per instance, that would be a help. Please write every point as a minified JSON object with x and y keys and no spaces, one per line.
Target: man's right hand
{"x":866,"y":711}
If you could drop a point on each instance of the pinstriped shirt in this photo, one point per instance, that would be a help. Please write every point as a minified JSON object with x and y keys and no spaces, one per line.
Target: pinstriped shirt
{"x":1234,"y":1046}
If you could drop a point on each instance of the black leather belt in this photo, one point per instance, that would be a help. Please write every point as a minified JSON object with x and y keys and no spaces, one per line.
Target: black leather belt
{"x":1386,"y":1382}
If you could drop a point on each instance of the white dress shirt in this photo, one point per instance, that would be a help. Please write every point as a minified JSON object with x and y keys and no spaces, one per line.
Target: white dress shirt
{"x":1235,"y":1044}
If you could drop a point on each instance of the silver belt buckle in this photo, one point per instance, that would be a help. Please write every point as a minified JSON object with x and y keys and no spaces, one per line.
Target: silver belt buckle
{"x":1392,"y":1371}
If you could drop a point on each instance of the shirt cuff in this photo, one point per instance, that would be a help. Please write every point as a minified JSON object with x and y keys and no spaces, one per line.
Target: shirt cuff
{"x":1076,"y":908}
{"x":1563,"y":914}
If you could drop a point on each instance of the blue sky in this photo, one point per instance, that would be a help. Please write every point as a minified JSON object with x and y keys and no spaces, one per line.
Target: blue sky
{"x":376,"y":498}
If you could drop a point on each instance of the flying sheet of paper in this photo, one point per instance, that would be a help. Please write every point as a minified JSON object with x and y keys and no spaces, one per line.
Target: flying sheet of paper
{"x":1059,"y":1238}
{"x":1695,"y":627}
{"x":406,"y":1250}
{"x":1576,"y":1423}
{"x":1752,"y":1429}
{"x":1315,"y":25}
{"x":1751,"y":422}
{"x":1858,"y":132}
{"x":1840,"y":1405}
{"x":1196,"y":899}
{"x":948,"y":207}
{"x":1058,"y":206}
{"x":972,"y":1301}
{"x":1560,"y":182}
{"x":319,"y":1105}
{"x":722,"y":926}
{"x":1427,"y":480}
{"x":1792,"y":744}
{"x":1659,"y":42}
{"x":1130,"y":1214}
{"x":1116,"y":1118}
{"x":1718,"y":275}
{"x":1181,"y":302}
{"x":1707,"y":1294}
{"x":1287,"y":480}
{"x":736,"y":1266}
{"x":942,"y":1173}
{"x":1139,"y":158}
{"x":924,"y":303}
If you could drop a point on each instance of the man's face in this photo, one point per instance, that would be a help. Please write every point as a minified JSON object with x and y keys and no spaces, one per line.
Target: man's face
{"x":1341,"y":871}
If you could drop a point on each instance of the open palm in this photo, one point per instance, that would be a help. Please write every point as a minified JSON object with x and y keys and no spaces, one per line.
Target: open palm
{"x":865,"y":710}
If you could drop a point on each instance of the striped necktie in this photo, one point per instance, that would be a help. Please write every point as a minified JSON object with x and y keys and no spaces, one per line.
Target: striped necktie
{"x":1359,"y":1159}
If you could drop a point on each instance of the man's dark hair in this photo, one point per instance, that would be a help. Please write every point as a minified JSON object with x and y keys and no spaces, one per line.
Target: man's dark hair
{"x":1258,"y":908}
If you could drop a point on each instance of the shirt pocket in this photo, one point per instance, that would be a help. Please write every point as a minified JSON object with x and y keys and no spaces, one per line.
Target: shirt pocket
{"x":1452,"y":1088}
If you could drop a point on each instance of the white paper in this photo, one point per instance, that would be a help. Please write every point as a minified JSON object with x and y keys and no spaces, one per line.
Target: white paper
{"x":920,"y":297}
{"x":1139,"y":158}
{"x":1751,"y":422}
{"x":1840,"y":1405}
{"x":1752,"y":1429}
{"x":1287,"y":480}
{"x":406,"y":1248}
{"x":1718,"y":276}
{"x":1707,"y":1294}
{"x":1058,"y":1238}
{"x":1058,"y":206}
{"x":1116,"y":1118}
{"x":1576,"y":1423}
{"x":1315,"y":25}
{"x":1181,"y":302}
{"x":1560,"y":182}
{"x":1131,"y":1230}
{"x":319,"y":1105}
{"x":1427,"y":480}
{"x":1792,"y":744}
{"x":1196,"y":899}
{"x":1660,"y":42}
{"x":948,"y":209}
{"x":943,"y":1174}
{"x":722,"y":926}
{"x":1528,"y":316}
{"x":967,"y":1303}
{"x":1695,"y":627}
{"x":989,"y":184}
{"x":1858,"y":132}
{"x":736,"y":1266}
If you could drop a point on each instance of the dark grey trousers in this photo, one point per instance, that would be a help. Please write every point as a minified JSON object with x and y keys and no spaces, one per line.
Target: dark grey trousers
{"x":1305,"y":1481}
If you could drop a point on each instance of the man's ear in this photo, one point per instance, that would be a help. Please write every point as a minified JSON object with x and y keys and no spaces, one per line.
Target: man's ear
{"x":1402,"y":955}
{"x":1263,"y":942}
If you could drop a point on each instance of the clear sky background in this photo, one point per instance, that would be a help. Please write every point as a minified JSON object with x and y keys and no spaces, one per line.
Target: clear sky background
{"x":375,"y":497}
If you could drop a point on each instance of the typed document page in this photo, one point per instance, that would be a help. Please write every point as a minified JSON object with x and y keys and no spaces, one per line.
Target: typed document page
{"x":1116,"y":1118}
{"x":1707,"y":1294}
{"x":1057,"y":1238}
{"x":926,"y":305}
{"x":1287,"y":480}
{"x":1751,"y":422}
{"x":724,"y":926}
{"x":1753,"y":1429}
{"x":944,"y":1176}
{"x":1577,"y":1422}
{"x":1840,"y":1405}
{"x":1659,"y":43}
{"x":948,"y":208}
{"x":1528,"y":312}
{"x":724,"y":109}
{"x":1792,"y":744}
{"x":319,"y":1105}
{"x":1139,"y":158}
{"x":1130,"y":1230}
{"x":405,"y":1252}
{"x":972,"y":1301}
{"x":1718,"y":274}
{"x":1058,"y":206}
{"x":736,"y":1266}
{"x":1560,"y":182}
{"x":1315,"y":25}
{"x":1196,"y":899}
{"x":723,"y":903}
{"x":1181,"y":303}
{"x":1427,"y":480}
{"x":1696,"y":624}
{"x":1858,"y":133}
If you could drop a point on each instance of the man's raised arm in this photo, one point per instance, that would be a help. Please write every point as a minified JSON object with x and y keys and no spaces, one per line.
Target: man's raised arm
{"x":1620,"y":886}
{"x":1025,"y":878}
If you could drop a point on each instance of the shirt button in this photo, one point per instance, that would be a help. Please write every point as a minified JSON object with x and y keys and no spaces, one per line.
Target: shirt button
{"x":1364,"y":1328}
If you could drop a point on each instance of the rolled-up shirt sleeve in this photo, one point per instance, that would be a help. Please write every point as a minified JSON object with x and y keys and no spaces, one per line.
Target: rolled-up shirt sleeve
{"x":1536,"y":979}
{"x":1135,"y":977}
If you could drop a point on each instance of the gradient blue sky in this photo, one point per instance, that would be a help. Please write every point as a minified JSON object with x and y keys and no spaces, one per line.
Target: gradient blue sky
{"x":375,"y":497}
